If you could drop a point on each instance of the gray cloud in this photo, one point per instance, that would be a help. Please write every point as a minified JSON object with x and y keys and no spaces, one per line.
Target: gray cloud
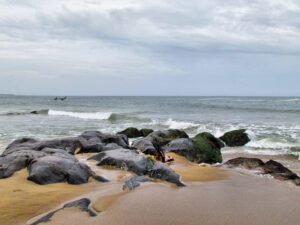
{"x":145,"y":42}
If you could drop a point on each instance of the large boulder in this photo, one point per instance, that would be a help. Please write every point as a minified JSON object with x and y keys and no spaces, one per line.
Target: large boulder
{"x":236,"y":138}
{"x":161,"y":138}
{"x":203,"y":148}
{"x":11,"y":163}
{"x":131,"y":132}
{"x":68,"y":144}
{"x":135,"y":182}
{"x":145,"y":132}
{"x":144,"y":145}
{"x":103,"y":138}
{"x":137,"y":163}
{"x":47,"y":166}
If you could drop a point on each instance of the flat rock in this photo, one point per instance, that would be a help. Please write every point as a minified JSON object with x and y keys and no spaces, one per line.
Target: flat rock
{"x":137,"y":163}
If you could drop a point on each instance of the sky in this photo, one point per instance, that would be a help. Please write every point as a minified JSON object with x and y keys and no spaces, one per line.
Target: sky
{"x":150,"y":47}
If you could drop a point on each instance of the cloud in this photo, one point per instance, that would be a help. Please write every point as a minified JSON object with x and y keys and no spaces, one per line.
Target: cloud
{"x":135,"y":39}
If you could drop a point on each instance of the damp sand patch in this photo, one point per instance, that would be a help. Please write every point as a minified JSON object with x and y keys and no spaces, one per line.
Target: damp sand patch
{"x":22,"y":199}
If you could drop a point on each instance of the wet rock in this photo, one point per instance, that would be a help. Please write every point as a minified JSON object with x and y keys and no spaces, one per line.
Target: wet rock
{"x":203,"y":148}
{"x":59,"y":166}
{"x":11,"y":163}
{"x":144,"y":145}
{"x":135,"y":182}
{"x":161,"y":138}
{"x":278,"y":171}
{"x":68,"y":144}
{"x":83,"y":204}
{"x":145,"y":132}
{"x":137,"y":163}
{"x":248,"y":163}
{"x":236,"y":138}
{"x":119,"y":139}
{"x":47,"y":166}
{"x":131,"y":132}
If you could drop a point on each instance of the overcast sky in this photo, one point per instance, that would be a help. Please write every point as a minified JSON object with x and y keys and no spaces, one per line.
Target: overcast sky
{"x":150,"y":47}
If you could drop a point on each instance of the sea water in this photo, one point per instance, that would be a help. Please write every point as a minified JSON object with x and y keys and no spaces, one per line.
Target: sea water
{"x":273,"y":123}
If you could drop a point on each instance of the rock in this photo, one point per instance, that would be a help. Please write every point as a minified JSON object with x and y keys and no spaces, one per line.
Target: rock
{"x":137,"y":163}
{"x":125,"y":159}
{"x":161,"y":138}
{"x":275,"y":169}
{"x":145,"y":132}
{"x":203,"y":148}
{"x":278,"y":171}
{"x":248,"y":163}
{"x":11,"y":163}
{"x":131,"y":132}
{"x":164,"y":172}
{"x":83,"y":204}
{"x":47,"y":166}
{"x":235,"y":138}
{"x":68,"y":144}
{"x":59,"y":166}
{"x":119,"y":139}
{"x":135,"y":182}
{"x":144,"y":145}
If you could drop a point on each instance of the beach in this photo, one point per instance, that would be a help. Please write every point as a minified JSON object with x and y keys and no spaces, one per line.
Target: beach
{"x":192,"y":189}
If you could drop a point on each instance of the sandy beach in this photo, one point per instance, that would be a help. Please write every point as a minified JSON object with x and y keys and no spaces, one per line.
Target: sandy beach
{"x":213,"y":196}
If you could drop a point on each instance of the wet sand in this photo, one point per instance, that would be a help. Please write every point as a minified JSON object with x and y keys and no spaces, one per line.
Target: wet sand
{"x":213,"y":196}
{"x":240,"y":199}
{"x":22,"y":199}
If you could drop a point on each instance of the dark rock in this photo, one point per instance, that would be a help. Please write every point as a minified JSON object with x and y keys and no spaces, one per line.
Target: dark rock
{"x":235,"y":138}
{"x":278,"y":171}
{"x":203,"y":148}
{"x":135,"y":182}
{"x":131,"y":132}
{"x":137,"y":163}
{"x":248,"y":163}
{"x":161,"y":138}
{"x":68,"y":144}
{"x":144,"y":145}
{"x":119,"y":139}
{"x":83,"y":204}
{"x":145,"y":132}
{"x":16,"y":161}
{"x":59,"y":166}
{"x":47,"y":166}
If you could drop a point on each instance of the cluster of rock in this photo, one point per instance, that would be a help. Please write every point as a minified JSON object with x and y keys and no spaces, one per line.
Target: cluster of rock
{"x":271,"y":167}
{"x":52,"y":161}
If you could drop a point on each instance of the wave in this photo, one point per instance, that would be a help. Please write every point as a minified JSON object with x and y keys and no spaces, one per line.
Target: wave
{"x":175,"y":124}
{"x":81,"y":115}
{"x":114,"y":117}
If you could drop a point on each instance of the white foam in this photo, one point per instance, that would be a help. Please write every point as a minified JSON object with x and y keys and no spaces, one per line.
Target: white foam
{"x":81,"y":115}
{"x":174,"y":124}
{"x":267,"y":144}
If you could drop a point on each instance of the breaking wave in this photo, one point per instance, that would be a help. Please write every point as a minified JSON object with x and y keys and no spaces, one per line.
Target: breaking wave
{"x":81,"y":115}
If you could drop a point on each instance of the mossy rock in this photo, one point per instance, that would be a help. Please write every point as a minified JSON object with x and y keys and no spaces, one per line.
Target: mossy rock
{"x":131,"y":132}
{"x":206,"y":148}
{"x":145,"y":132}
{"x":236,"y":138}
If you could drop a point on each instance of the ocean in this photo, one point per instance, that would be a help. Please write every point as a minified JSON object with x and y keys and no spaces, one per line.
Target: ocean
{"x":273,"y":123}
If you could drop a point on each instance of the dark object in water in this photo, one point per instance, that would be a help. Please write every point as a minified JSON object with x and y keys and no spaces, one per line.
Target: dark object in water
{"x":62,"y":98}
